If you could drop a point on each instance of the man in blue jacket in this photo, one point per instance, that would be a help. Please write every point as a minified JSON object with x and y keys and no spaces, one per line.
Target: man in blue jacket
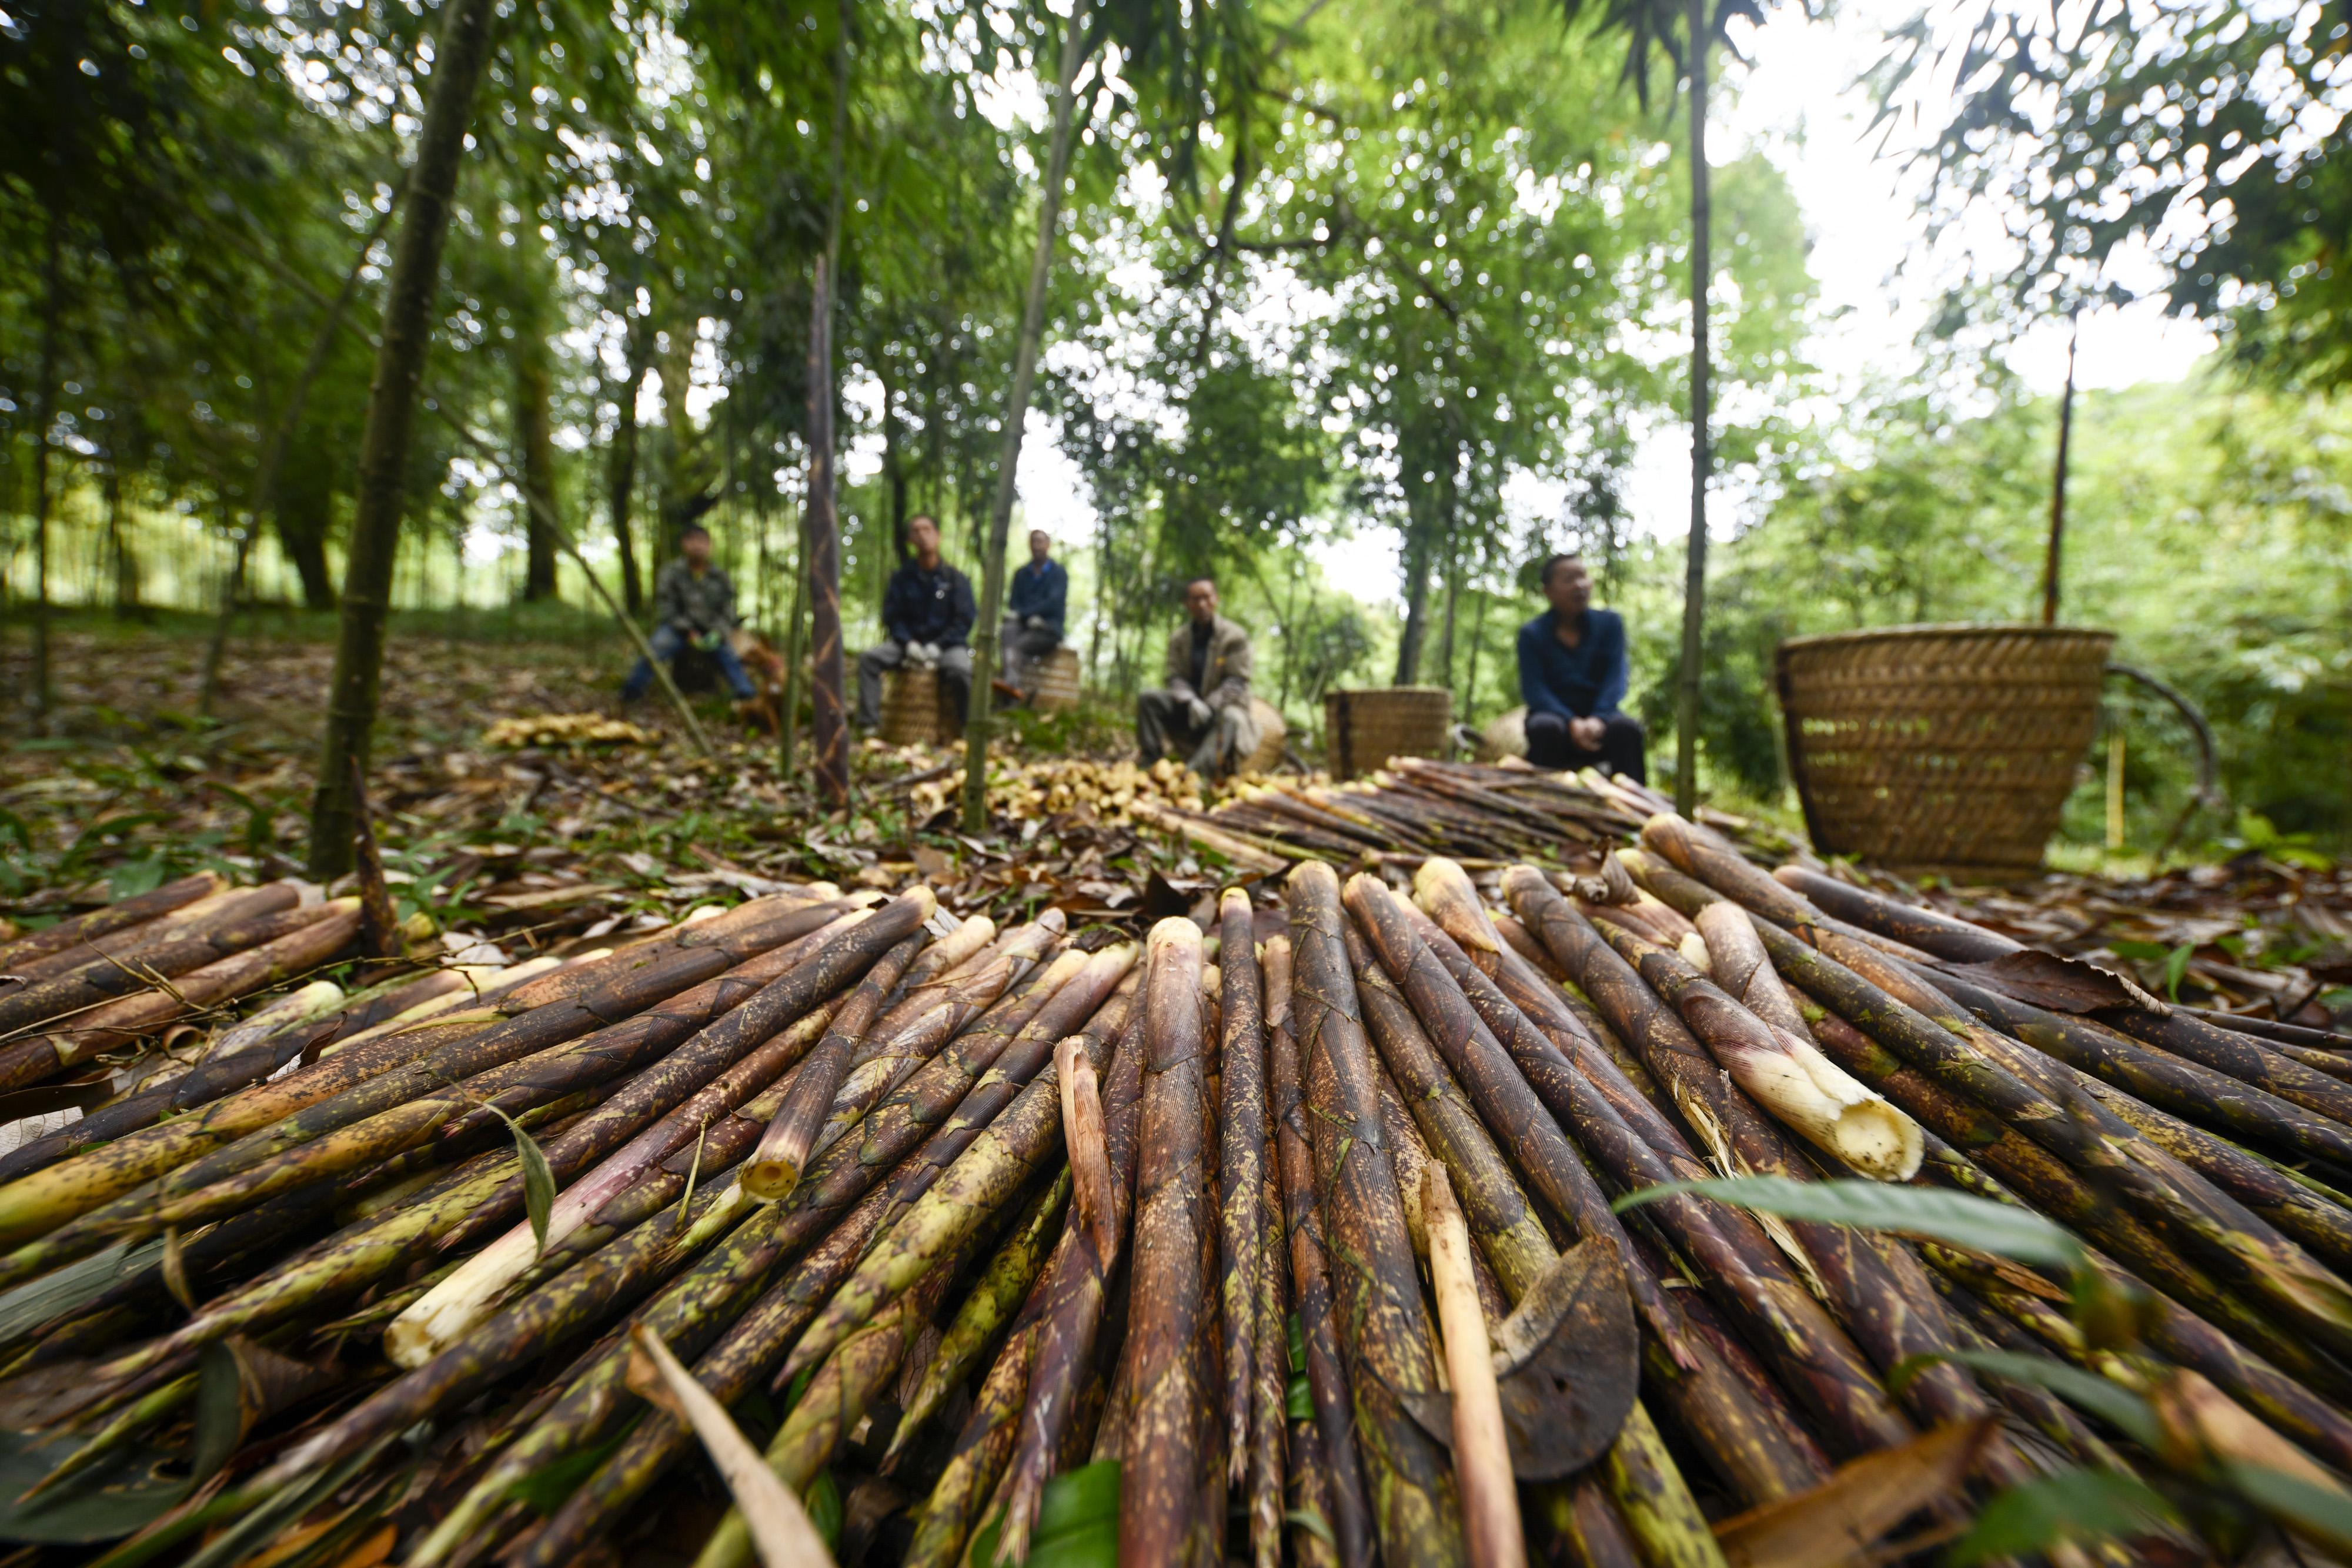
{"x":1033,"y":619}
{"x":1572,"y":676}
{"x":926,"y":613}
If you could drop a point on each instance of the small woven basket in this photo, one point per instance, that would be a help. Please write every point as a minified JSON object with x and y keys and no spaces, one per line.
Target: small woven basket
{"x":915,"y":709}
{"x":1939,"y":746}
{"x":1363,"y":730}
{"x":1057,"y":682}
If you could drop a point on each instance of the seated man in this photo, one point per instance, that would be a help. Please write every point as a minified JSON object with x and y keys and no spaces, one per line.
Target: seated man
{"x":1033,"y":619}
{"x":1202,"y":711}
{"x":927,"y":614}
{"x":1572,"y":676}
{"x":693,"y":604}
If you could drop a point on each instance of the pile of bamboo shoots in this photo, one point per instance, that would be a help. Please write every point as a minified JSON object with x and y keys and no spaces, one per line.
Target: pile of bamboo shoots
{"x":1481,"y":817}
{"x":1310,"y":1216}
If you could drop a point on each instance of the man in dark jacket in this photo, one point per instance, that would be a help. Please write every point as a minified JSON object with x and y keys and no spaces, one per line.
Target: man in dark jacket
{"x":1033,"y":619}
{"x":693,"y":604}
{"x":927,"y":614}
{"x":1572,"y":676}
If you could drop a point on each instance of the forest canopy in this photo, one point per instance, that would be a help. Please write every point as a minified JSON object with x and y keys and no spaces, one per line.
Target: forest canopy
{"x":1412,"y":276}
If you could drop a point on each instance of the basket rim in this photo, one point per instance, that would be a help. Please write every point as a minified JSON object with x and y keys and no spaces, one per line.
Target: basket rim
{"x":1386,"y":691}
{"x":1923,"y":631}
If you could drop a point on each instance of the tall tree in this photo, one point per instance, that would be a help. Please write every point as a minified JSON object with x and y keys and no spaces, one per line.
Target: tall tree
{"x":353,"y":695}
{"x":534,"y":414}
{"x":1649,"y":26}
{"x":1077,"y":40}
{"x":621,"y":460}
{"x":829,"y":729}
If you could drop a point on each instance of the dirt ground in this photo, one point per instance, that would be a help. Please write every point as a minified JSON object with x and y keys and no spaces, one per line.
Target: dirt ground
{"x":128,"y":787}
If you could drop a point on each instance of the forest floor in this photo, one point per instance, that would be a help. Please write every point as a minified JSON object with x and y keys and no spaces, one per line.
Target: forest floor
{"x":129,"y":787}
{"x":527,"y":844}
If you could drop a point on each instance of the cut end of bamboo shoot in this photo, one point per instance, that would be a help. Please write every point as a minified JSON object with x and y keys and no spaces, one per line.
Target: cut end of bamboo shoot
{"x":1837,"y":1114}
{"x":771,"y":1180}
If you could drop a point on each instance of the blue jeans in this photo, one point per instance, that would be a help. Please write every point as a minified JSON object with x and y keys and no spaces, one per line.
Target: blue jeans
{"x":667,"y":644}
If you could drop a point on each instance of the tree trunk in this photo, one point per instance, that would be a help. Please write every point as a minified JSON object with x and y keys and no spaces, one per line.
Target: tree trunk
{"x":1453,"y":594}
{"x":620,"y":466}
{"x":679,"y":480}
{"x":828,"y":716}
{"x":1416,"y":596}
{"x":1702,"y":456}
{"x":894,"y":473}
{"x":120,"y":555}
{"x":1016,"y":415}
{"x":788,"y":733}
{"x":828,"y":724}
{"x":306,"y":499}
{"x":463,"y":48}
{"x":45,"y":412}
{"x":535,"y":439}
{"x":2058,"y":479}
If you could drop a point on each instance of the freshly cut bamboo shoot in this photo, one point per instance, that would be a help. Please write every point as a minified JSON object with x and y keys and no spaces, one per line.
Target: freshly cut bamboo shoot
{"x":1482,"y":1458}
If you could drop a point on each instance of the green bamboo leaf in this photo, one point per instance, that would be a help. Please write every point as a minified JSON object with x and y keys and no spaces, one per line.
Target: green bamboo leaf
{"x":1077,"y":1523}
{"x":1311,"y":1520}
{"x":220,"y":1411}
{"x":2072,"y":1505}
{"x":538,"y":1179}
{"x":822,"y":1501}
{"x":2120,"y":1408}
{"x":2323,"y":1513}
{"x":1976,"y":1223}
{"x":2175,"y":966}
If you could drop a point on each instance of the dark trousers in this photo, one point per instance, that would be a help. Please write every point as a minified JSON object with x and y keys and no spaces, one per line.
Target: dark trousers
{"x":668,"y":643}
{"x":1549,"y":745}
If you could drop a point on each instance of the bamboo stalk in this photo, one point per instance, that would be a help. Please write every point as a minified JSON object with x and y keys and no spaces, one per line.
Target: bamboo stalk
{"x":1241,"y":1171}
{"x":1160,"y":1485}
{"x":547,"y":1010}
{"x":17,"y":956}
{"x":1415,"y":1512}
{"x":1463,"y":1029}
{"x":1820,"y":1363}
{"x":984,"y":1175}
{"x":995,"y":1297}
{"x":1482,"y":1459}
{"x":944,"y":1526}
{"x":1075,"y":1296}
{"x":775,"y":1167}
{"x":330,"y":1138}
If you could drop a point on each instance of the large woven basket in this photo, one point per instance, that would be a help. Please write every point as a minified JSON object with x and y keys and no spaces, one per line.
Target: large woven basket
{"x":1939,"y":746}
{"x":1055,"y":675}
{"x":1363,"y":730}
{"x":915,"y":709}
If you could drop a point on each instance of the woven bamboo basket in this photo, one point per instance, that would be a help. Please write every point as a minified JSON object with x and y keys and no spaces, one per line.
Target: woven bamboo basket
{"x":1056,"y":676}
{"x":1271,"y":733}
{"x":1939,"y":746}
{"x":915,"y":709}
{"x":1363,"y":730}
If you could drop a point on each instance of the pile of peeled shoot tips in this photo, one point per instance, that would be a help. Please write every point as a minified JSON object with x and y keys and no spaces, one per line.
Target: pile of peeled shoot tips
{"x":830,"y":1225}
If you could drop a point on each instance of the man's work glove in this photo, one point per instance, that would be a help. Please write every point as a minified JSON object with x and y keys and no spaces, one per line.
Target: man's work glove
{"x":1198,"y":712}
{"x":1035,"y":623}
{"x":709,"y":642}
